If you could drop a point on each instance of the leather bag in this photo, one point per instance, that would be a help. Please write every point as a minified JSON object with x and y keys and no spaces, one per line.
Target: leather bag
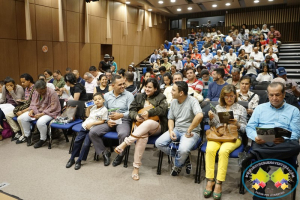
{"x":67,"y":116}
{"x":227,"y":133}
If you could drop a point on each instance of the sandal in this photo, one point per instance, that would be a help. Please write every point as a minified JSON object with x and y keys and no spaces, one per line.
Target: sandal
{"x":207,"y":193}
{"x":135,"y":177}
{"x":217,"y":196}
{"x":119,"y":148}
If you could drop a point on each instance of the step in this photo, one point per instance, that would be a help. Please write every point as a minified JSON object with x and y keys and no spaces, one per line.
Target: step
{"x":289,"y":57}
{"x":293,"y":74}
{"x":293,"y":70}
{"x":289,"y":54}
{"x":289,"y":61}
{"x":290,"y":46}
{"x":289,"y":50}
{"x":295,"y":66}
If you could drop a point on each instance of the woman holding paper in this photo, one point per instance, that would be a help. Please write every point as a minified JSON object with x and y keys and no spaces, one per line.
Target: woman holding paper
{"x":227,"y":102}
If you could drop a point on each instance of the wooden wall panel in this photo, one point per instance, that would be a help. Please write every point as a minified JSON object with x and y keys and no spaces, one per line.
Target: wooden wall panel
{"x":136,"y":54}
{"x":118,"y":11}
{"x":129,"y":56}
{"x":9,"y":59}
{"x":82,"y":28}
{"x":8,"y":19}
{"x":116,"y":32}
{"x":72,"y":26}
{"x":28,"y":58}
{"x":124,"y":38}
{"x":43,"y":2}
{"x":85,"y":58}
{"x":73,"y":5}
{"x":44,"y":60}
{"x":123,"y":54}
{"x":43,"y":23}
{"x":116,"y":54}
{"x":95,"y":8}
{"x":95,"y":29}
{"x":21,"y":26}
{"x":60,"y":56}
{"x":131,"y":15}
{"x":95,"y":54}
{"x":103,"y":9}
{"x":73,"y":55}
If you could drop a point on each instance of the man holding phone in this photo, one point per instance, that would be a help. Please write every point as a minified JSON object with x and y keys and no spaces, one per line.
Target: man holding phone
{"x":185,"y":115}
{"x":118,"y":99}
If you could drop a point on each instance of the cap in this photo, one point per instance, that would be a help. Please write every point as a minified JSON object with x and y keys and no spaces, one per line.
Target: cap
{"x":280,"y":71}
{"x":106,"y":56}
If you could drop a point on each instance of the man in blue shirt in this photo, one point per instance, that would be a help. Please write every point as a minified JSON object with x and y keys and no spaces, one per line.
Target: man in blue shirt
{"x":120,"y":99}
{"x":167,"y":45}
{"x":214,"y":88}
{"x":79,"y":79}
{"x":276,"y":113}
{"x":154,"y":57}
{"x":206,"y":56}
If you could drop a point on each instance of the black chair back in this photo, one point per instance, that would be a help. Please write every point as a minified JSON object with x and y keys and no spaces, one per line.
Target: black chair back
{"x":206,"y":108}
{"x":90,"y":96}
{"x":244,"y":104}
{"x":80,"y":109}
{"x":62,"y":102}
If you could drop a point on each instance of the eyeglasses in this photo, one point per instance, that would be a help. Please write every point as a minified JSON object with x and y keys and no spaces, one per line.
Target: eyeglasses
{"x":231,"y":97}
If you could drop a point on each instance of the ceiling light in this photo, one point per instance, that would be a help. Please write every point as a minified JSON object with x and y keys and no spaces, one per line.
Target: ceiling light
{"x":160,"y":2}
{"x":270,"y":0}
{"x":228,"y":4}
{"x":190,"y":8}
{"x":256,"y":1}
{"x":127,"y":2}
{"x":214,"y":5}
{"x":150,"y":9}
{"x":178,"y":9}
{"x":173,"y":1}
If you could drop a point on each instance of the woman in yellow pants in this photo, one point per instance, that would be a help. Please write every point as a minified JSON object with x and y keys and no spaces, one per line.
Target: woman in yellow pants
{"x":227,"y":102}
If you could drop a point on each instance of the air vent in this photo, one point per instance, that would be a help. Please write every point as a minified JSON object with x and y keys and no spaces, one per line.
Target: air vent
{"x":202,"y":7}
{"x":242,"y":3}
{"x":189,"y":1}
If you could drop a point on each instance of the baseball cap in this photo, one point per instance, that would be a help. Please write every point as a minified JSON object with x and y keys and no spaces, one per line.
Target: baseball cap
{"x":280,"y":71}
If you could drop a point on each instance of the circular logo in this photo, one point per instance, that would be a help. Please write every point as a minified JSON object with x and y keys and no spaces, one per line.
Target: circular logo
{"x":270,"y":178}
{"x":45,"y":49}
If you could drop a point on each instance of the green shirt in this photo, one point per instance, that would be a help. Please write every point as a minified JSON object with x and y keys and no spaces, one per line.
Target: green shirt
{"x":61,"y":83}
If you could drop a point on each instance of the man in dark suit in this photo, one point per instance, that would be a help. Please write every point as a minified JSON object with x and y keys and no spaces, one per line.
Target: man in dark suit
{"x":223,"y":47}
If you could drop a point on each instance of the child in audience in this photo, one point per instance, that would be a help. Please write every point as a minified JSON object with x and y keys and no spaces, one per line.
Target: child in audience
{"x":97,"y":114}
{"x":168,"y":80}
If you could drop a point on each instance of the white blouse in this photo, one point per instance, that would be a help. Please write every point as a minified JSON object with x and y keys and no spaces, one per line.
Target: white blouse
{"x":264,"y":77}
{"x":96,"y":114}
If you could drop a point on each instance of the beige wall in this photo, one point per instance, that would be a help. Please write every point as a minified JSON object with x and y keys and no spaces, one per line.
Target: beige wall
{"x":18,"y":55}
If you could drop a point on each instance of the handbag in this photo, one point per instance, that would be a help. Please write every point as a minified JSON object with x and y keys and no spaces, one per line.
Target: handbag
{"x":141,"y":111}
{"x":67,"y":116}
{"x":227,"y":133}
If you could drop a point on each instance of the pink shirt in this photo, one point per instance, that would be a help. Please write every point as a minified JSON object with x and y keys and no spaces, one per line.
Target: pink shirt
{"x":197,"y":85}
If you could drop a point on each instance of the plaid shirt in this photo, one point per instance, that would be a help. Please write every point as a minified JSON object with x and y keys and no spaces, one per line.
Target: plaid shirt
{"x":27,"y":102}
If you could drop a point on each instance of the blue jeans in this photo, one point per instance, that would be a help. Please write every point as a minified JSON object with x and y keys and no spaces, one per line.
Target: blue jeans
{"x":185,"y":146}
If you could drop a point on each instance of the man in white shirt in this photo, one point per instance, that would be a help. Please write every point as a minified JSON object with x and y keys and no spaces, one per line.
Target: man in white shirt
{"x":247,"y":47}
{"x":231,"y":57}
{"x":206,"y":56}
{"x":229,"y":38}
{"x":177,"y":63}
{"x":94,"y":72}
{"x":90,"y":82}
{"x":258,"y":56}
{"x":251,"y":67}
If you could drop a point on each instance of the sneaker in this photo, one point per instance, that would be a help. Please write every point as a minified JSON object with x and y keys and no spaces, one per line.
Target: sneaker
{"x":21,"y":140}
{"x":175,"y":171}
{"x":17,"y":136}
{"x":39,"y":144}
{"x":188,"y":164}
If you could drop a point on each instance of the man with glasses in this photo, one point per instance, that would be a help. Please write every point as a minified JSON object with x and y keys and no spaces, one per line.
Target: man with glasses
{"x":59,"y":81}
{"x":90,"y":82}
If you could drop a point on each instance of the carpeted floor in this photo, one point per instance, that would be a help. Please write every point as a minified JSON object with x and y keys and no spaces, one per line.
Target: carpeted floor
{"x":40,"y":174}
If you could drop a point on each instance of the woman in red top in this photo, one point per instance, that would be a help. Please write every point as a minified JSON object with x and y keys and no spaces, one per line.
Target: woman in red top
{"x":262,"y":39}
{"x":271,"y":37}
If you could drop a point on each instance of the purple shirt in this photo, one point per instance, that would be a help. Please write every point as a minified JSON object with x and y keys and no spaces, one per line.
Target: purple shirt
{"x":9,"y":99}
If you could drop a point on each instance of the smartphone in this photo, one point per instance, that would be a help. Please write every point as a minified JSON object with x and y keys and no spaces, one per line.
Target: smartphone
{"x":89,"y":103}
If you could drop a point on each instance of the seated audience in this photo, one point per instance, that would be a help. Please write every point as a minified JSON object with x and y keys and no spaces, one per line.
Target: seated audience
{"x":226,"y":70}
{"x":228,"y":102}
{"x":262,"y":40}
{"x":44,"y":107}
{"x":48,"y":76}
{"x":242,"y":55}
{"x":108,"y":74}
{"x":94,"y":72}
{"x":271,"y":37}
{"x":121,"y":72}
{"x":156,"y":65}
{"x":259,"y":46}
{"x":273,"y":56}
{"x":206,"y":56}
{"x":96,"y":115}
{"x":177,"y":40}
{"x":90,"y":82}
{"x":160,"y":77}
{"x":49,"y":85}
{"x":154,"y":98}
{"x":130,"y":87}
{"x":143,"y":84}
{"x":276,"y":113}
{"x":177,"y":63}
{"x":212,"y":65}
{"x":113,"y":63}
{"x":167,"y":45}
{"x":214,"y":88}
{"x":292,"y":86}
{"x":219,"y":57}
{"x":18,"y":133}
{"x":59,"y":81}
{"x":231,"y":57}
{"x":196,"y":55}
{"x":68,"y":70}
{"x":265,"y":75}
{"x":247,"y":47}
{"x":132,"y":70}
{"x":271,"y":45}
{"x":265,"y":30}
{"x":161,"y":49}
{"x":192,"y":81}
{"x":224,"y":48}
{"x":79,"y":79}
{"x":271,"y":65}
{"x":188,"y":62}
{"x":179,"y":77}
{"x":235,"y":80}
{"x":184,"y":116}
{"x":238,"y":65}
{"x":252,"y":67}
{"x":206,"y":79}
{"x":236,"y":42}
{"x":119,"y":99}
{"x":229,"y":39}
{"x":166,"y":64}
{"x":255,"y":30}
{"x":251,"y":39}
{"x":289,"y":98}
{"x":168,"y":80}
{"x":105,"y":64}
{"x":276,"y":33}
{"x":173,"y":70}
{"x":257,"y":55}
{"x":77,"y":90}
{"x":244,"y":94}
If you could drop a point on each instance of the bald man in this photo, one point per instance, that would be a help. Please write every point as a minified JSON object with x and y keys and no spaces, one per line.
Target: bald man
{"x":79,"y":79}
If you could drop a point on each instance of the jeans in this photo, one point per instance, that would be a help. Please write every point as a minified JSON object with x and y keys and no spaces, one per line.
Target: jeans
{"x":41,"y":124}
{"x":82,"y":145}
{"x":185,"y":146}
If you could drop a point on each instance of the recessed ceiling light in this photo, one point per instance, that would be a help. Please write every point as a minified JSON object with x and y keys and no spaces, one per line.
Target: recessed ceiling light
{"x":149,"y":9}
{"x":127,"y":2}
{"x":214,"y":5}
{"x":256,"y":1}
{"x":190,"y":8}
{"x":270,"y":0}
{"x":178,"y":9}
{"x":228,"y":4}
{"x":160,"y":2}
{"x":173,"y":1}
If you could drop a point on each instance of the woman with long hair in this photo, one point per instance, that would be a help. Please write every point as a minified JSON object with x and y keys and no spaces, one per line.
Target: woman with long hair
{"x":143,"y":84}
{"x":103,"y":87}
{"x":77,"y":90}
{"x":266,"y":75}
